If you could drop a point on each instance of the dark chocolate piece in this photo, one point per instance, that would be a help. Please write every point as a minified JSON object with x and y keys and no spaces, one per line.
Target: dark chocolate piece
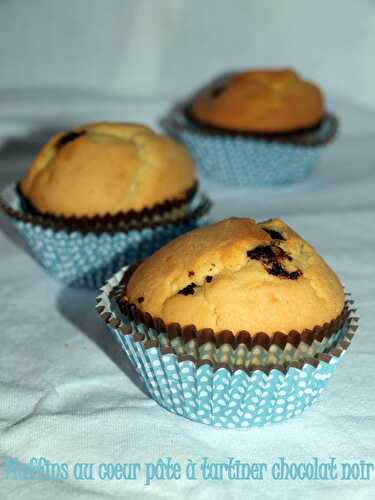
{"x":280,"y":253}
{"x":277,"y":270}
{"x":217,"y":91}
{"x":295,"y":275}
{"x":188,"y":290}
{"x":68,"y":137}
{"x":263,"y":253}
{"x":209,"y":279}
{"x":140,"y":300}
{"x":275,"y":235}
{"x":191,"y":273}
{"x":271,"y":257}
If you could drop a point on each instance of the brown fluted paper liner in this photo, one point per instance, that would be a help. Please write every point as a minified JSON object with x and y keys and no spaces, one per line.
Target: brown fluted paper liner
{"x":203,"y":336}
{"x":176,"y":211}
{"x":107,"y":307}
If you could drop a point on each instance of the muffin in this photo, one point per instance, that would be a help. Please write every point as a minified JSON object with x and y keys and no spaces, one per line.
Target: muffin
{"x":269,"y":101}
{"x":235,"y":324}
{"x":258,"y":127}
{"x":238,"y":275}
{"x":104,"y":195}
{"x":107,"y":168}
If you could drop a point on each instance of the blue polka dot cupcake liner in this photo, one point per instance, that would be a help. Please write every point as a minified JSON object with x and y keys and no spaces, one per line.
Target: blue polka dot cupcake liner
{"x":215,"y":394}
{"x":86,"y":259}
{"x":240,"y":159}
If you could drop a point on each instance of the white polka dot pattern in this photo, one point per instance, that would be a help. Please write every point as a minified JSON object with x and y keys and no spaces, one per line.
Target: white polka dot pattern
{"x":243,"y":161}
{"x":88,"y":260}
{"x":223,"y":398}
{"x":220,"y":396}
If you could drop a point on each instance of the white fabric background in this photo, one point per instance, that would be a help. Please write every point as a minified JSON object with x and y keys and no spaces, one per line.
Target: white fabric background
{"x":166,"y":47}
{"x":63,"y":391}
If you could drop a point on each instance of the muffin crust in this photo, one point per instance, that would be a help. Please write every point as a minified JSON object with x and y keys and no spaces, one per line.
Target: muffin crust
{"x":260,"y":101}
{"x":107,"y":168}
{"x":238,"y":275}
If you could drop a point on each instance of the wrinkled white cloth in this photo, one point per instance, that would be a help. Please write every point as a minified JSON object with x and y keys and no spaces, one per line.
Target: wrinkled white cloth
{"x":147,"y":48}
{"x":67,"y":394}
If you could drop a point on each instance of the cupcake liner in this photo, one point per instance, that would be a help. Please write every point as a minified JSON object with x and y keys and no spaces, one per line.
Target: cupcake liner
{"x":242,"y":159}
{"x":244,"y":349}
{"x":84,"y":253}
{"x":214,"y":394}
{"x":309,"y":136}
{"x":172,"y":210}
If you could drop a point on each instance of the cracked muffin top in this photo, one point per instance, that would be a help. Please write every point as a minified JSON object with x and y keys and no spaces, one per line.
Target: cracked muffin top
{"x":260,"y":101}
{"x":106,"y":168}
{"x":238,"y":275}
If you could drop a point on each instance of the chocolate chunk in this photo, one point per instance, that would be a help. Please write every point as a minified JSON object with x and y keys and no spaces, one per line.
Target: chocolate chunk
{"x":271,"y":257}
{"x":275,"y":235}
{"x":140,"y":300}
{"x":217,"y":91}
{"x":68,"y":137}
{"x":263,"y":253}
{"x":280,"y":253}
{"x":209,"y":279}
{"x":188,"y":290}
{"x":191,"y":273}
{"x":295,"y":275}
{"x":277,"y":270}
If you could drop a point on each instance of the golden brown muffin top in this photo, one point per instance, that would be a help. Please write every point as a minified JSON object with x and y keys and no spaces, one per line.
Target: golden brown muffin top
{"x":106,"y":168}
{"x":238,"y":275}
{"x":260,"y":101}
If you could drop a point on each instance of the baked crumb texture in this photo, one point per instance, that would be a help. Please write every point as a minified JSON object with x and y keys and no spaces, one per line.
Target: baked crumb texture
{"x":238,"y":275}
{"x":274,"y":100}
{"x":107,"y":168}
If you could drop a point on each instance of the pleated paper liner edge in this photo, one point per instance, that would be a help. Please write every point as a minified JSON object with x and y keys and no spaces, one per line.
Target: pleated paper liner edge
{"x":180,"y":118}
{"x":203,"y":336}
{"x":175,"y":211}
{"x":105,"y":309}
